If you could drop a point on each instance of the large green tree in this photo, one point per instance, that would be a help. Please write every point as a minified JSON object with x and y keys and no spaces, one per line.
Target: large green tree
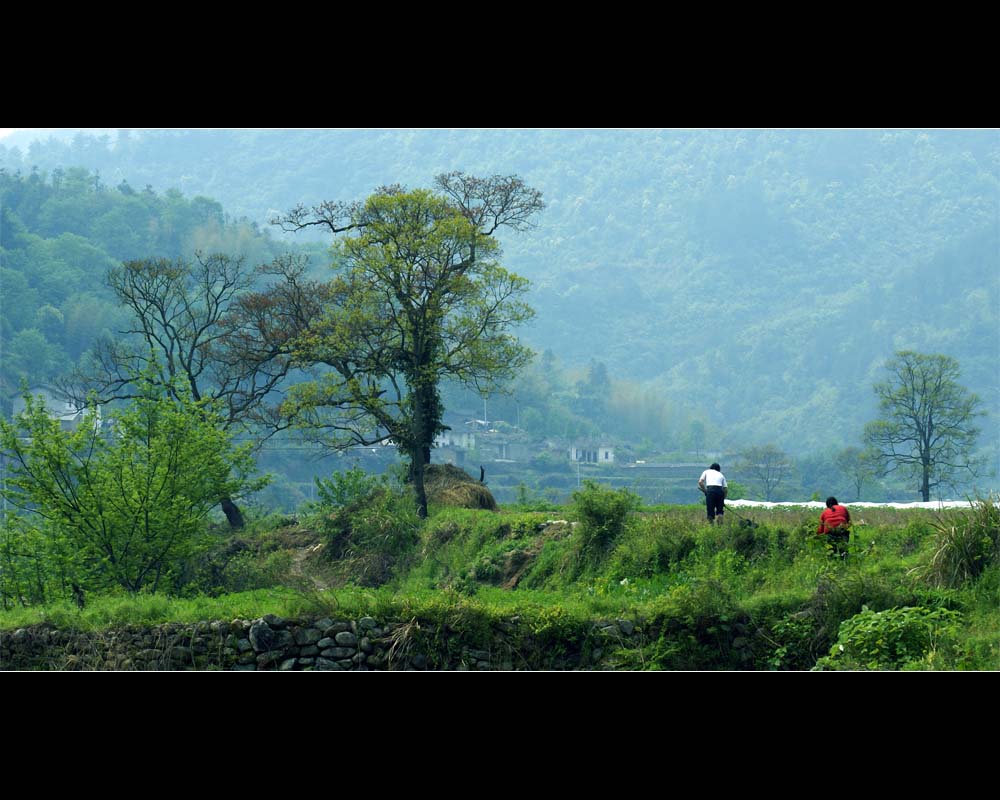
{"x":927,"y":425}
{"x":418,"y":298}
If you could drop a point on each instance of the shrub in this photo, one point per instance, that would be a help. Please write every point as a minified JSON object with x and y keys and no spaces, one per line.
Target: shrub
{"x":602,"y":515}
{"x":890,"y":639}
{"x":839,"y":597}
{"x":131,"y":505}
{"x":351,"y":487}
{"x":793,"y":639}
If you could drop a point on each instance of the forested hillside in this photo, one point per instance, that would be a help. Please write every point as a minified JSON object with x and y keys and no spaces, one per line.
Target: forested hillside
{"x":755,"y":279}
{"x":62,"y":232}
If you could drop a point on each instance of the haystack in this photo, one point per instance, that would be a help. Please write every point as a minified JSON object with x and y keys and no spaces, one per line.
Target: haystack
{"x":449,"y":486}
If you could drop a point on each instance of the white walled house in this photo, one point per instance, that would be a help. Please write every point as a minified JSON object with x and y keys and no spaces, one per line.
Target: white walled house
{"x":69,"y":413}
{"x":465,"y":440}
{"x":592,"y":454}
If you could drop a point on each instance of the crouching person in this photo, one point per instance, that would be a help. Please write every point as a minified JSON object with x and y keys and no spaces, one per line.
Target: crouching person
{"x":835,"y":524}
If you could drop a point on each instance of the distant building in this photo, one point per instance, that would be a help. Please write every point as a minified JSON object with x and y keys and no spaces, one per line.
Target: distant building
{"x":58,"y":406}
{"x":502,"y":448}
{"x":592,"y":454}
{"x":464,"y":440}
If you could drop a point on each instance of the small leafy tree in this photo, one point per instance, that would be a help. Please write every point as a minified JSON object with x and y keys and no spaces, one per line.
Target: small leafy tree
{"x":858,"y":467}
{"x":130,"y":498}
{"x":765,"y":466}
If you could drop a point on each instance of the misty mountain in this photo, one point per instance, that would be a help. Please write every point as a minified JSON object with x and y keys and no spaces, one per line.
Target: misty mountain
{"x":757,"y":278}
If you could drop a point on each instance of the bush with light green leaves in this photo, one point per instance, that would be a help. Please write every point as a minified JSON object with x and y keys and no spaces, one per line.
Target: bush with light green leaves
{"x":129,"y":499}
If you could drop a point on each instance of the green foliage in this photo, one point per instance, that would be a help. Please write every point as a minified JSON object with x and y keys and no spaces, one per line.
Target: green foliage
{"x":465,"y":548}
{"x":602,"y":514}
{"x":841,"y":594}
{"x":794,"y":640}
{"x":695,"y":626}
{"x":350,"y":487}
{"x":657,"y":546}
{"x":891,"y":639}
{"x":370,"y":539}
{"x":35,"y":568}
{"x":124,"y":503}
{"x":114,"y":609}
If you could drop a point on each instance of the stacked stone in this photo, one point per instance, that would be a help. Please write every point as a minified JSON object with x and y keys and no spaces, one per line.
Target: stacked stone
{"x":274,"y":643}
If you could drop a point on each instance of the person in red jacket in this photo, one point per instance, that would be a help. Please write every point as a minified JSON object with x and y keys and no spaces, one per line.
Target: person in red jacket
{"x":835,"y":524}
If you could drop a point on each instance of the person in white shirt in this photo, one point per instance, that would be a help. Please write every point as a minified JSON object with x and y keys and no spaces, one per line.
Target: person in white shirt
{"x":713,"y":484}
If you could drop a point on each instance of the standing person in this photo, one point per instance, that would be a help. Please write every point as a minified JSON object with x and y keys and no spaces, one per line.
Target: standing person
{"x":713,"y":484}
{"x":835,"y":524}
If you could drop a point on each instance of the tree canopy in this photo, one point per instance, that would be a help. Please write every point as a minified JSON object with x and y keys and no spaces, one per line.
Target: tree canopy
{"x":61,"y":233}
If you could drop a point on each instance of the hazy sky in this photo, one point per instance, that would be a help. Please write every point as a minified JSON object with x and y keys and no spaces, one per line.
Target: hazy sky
{"x":22,"y":137}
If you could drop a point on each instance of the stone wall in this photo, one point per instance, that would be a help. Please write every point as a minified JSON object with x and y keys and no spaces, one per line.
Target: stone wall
{"x":273,"y":643}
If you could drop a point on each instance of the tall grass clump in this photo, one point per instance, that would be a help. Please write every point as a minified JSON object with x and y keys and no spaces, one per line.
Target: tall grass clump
{"x":653,"y":546}
{"x":462,"y":548}
{"x":602,"y":514}
{"x":370,"y":523}
{"x":965,"y":547}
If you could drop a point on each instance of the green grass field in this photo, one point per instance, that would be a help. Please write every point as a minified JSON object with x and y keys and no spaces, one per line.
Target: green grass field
{"x":919,"y":590}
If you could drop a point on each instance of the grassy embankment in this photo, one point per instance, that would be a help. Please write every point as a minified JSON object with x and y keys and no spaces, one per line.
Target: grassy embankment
{"x":919,"y":590}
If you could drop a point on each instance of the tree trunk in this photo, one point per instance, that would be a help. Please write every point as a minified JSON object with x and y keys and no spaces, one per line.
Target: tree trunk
{"x":925,"y":486}
{"x":233,"y":513}
{"x":426,"y":413}
{"x":417,"y":474}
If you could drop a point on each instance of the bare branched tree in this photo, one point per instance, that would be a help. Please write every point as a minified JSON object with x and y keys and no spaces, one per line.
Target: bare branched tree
{"x":198,"y":322}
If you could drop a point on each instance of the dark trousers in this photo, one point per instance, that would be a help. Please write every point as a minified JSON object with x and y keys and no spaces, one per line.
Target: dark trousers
{"x":715,"y":498}
{"x":838,"y":539}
